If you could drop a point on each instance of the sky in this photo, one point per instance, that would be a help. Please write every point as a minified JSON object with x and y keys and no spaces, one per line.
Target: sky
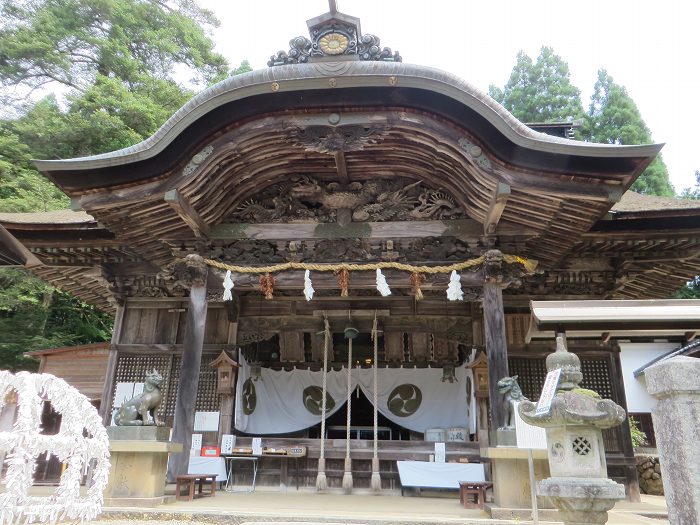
{"x":650,"y":47}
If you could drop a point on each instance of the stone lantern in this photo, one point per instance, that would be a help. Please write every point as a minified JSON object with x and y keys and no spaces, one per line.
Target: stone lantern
{"x":225,"y":373}
{"x":578,"y":485}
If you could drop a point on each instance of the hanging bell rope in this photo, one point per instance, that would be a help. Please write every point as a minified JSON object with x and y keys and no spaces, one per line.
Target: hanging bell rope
{"x":376,"y":480}
{"x":347,"y":474}
{"x":321,"y":481}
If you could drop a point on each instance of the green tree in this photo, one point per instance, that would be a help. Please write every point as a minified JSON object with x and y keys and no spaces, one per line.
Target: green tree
{"x":70,"y":42}
{"x":34,"y":316}
{"x":113,"y":61}
{"x":613,"y":118}
{"x":692,"y":193}
{"x":692,"y":289}
{"x":540,"y":91}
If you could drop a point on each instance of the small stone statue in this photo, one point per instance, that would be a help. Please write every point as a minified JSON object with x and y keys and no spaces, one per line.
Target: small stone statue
{"x":509,"y":387}
{"x":141,"y":409}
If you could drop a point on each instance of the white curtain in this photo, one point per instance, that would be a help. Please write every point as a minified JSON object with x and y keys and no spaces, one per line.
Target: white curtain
{"x":414,"y":398}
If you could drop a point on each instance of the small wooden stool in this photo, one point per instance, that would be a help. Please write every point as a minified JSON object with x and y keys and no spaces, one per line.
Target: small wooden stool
{"x":189,"y":480}
{"x":477,"y":488}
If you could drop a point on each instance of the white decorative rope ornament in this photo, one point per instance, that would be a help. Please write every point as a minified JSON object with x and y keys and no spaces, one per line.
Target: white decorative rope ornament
{"x":228,"y":286}
{"x":308,"y":289}
{"x":382,"y":285}
{"x":454,"y":289}
{"x":25,"y":443}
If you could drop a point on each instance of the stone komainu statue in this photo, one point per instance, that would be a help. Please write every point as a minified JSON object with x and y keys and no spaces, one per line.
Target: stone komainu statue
{"x":509,"y":387}
{"x":141,"y":409}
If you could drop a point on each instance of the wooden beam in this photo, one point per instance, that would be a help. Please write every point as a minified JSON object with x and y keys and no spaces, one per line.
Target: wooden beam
{"x":498,"y":203}
{"x":187,"y":213}
{"x":461,"y":228}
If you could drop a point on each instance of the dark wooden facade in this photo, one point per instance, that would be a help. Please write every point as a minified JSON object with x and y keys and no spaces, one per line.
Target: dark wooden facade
{"x":351,"y":160}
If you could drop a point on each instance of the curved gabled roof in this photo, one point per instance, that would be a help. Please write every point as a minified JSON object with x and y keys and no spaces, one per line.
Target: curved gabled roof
{"x":388,"y":76}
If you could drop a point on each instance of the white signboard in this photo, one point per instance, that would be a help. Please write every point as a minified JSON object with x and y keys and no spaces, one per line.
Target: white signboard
{"x":124,"y":392}
{"x":439,"y":452}
{"x":548,"y":390}
{"x":257,"y":446}
{"x":527,"y":435}
{"x":228,"y":441}
{"x":206,"y":421}
{"x":196,"y":442}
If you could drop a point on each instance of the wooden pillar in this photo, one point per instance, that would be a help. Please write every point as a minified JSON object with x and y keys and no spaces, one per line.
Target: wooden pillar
{"x":634,"y":493}
{"x":193,"y":342}
{"x":111,"y":373}
{"x":496,"y":348}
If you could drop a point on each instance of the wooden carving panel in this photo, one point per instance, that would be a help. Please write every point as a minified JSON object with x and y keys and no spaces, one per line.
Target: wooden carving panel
{"x":291,"y":346}
{"x":393,"y":346}
{"x":444,"y":350}
{"x":420,"y":343}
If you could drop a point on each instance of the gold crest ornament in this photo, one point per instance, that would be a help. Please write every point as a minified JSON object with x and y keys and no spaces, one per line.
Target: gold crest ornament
{"x":333,"y":43}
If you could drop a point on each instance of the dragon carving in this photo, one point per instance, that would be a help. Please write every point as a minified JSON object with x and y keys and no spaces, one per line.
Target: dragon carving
{"x":309,"y":200}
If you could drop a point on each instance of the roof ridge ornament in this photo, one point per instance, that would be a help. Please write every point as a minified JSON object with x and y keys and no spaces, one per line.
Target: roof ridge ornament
{"x":336,"y":35}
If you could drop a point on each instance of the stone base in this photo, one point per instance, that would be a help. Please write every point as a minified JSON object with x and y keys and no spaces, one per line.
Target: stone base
{"x":582,"y":501}
{"x":138,"y":433}
{"x":511,"y":476}
{"x":138,"y":466}
{"x":139,"y":502}
{"x":504,"y":513}
{"x":505,"y":437}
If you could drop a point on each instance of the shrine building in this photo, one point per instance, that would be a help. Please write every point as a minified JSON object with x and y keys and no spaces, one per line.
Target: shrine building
{"x":428,"y":218}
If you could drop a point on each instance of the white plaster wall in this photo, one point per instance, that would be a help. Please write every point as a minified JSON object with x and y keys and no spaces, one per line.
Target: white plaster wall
{"x":632,"y":357}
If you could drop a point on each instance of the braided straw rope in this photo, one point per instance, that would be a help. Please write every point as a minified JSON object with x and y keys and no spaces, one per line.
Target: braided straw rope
{"x":321,"y":481}
{"x":529,"y":265}
{"x":376,"y":482}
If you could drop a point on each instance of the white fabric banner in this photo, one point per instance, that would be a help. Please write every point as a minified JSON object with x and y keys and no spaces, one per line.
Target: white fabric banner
{"x":414,"y":398}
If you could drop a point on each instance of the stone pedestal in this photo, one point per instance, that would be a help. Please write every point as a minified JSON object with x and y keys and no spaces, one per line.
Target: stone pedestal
{"x":675,"y":384}
{"x":139,"y":459}
{"x":511,"y":482}
{"x":582,"y":501}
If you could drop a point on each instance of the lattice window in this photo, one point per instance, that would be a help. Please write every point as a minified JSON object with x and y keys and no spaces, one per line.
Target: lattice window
{"x":596,"y":376}
{"x":207,"y":398}
{"x":407,"y":348}
{"x":132,"y":368}
{"x":531,"y":373}
{"x":581,"y":446}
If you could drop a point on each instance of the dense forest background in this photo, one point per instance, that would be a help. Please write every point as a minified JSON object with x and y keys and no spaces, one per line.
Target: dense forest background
{"x":81,"y":77}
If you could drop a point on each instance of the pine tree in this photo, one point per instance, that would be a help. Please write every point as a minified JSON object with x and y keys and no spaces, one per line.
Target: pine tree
{"x":540,"y":91}
{"x":613,"y":118}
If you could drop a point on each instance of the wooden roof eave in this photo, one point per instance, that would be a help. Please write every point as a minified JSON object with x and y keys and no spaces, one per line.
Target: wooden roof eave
{"x":304,"y":77}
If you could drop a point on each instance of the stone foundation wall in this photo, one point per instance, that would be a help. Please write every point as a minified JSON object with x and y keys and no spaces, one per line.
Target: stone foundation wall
{"x":649,"y":473}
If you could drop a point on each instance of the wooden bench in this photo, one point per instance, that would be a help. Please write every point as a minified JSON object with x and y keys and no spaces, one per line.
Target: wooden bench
{"x":477,"y":488}
{"x":188,"y":481}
